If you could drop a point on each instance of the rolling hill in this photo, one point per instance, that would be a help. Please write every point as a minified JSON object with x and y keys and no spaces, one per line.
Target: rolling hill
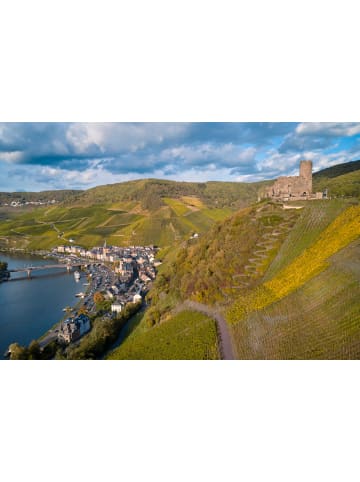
{"x":131,"y":213}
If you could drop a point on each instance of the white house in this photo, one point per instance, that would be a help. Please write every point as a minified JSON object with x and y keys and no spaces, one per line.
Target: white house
{"x":117,"y":307}
{"x":137,"y":298}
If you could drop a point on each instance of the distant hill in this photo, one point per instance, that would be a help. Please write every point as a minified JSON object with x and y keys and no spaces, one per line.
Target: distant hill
{"x":340,"y":180}
{"x":146,"y":211}
{"x":58,"y":195}
{"x":338,"y":170}
{"x":150,"y":193}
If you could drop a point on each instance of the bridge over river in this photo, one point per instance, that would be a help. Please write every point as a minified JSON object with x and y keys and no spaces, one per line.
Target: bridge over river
{"x":29,"y":269}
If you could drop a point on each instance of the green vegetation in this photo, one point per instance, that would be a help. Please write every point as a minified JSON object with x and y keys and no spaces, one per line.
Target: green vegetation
{"x":337,"y":170}
{"x":150,"y":193}
{"x":342,"y":180}
{"x":33,"y":351}
{"x":177,"y":206}
{"x":288,"y":279}
{"x":233,"y":256}
{"x":186,"y":336}
{"x":103,"y":334}
{"x":136,"y":212}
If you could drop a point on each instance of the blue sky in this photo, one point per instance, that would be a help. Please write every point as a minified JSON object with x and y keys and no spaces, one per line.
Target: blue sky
{"x":39,"y":156}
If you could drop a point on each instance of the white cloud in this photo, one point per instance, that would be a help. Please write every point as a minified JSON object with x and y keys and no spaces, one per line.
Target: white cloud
{"x":328,"y":128}
{"x":12,"y":156}
{"x":120,"y":137}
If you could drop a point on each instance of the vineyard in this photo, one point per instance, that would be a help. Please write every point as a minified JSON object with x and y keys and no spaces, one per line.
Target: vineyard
{"x":186,"y":336}
{"x":321,"y":320}
{"x":314,"y":218}
{"x":89,"y":225}
{"x":341,"y":232}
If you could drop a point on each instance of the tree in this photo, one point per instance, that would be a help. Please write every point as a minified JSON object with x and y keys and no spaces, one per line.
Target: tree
{"x":82,"y":310}
{"x":98,"y":297}
{"x":18,"y":352}
{"x":34,"y":351}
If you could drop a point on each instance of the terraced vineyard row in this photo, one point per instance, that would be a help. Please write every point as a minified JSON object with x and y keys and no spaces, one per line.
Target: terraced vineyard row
{"x":314,"y":218}
{"x":319,"y":320}
{"x":89,"y":225}
{"x":312,"y":261}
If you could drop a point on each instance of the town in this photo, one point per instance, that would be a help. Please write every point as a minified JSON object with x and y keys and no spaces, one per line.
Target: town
{"x":21,"y":203}
{"x":114,"y":274}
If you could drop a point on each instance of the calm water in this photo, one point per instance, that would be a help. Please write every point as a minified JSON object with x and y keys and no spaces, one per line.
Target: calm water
{"x":28,"y":308}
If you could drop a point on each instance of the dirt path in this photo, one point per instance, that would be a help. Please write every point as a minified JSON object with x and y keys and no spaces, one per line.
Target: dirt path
{"x":225,"y":343}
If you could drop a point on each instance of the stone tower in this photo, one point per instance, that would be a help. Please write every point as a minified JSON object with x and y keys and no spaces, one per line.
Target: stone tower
{"x":306,"y":175}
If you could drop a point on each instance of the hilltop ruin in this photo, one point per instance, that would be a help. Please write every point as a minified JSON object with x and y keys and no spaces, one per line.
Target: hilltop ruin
{"x":294,"y":188}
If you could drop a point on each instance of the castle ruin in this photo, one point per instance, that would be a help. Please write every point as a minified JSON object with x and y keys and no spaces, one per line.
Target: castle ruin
{"x":294,"y":188}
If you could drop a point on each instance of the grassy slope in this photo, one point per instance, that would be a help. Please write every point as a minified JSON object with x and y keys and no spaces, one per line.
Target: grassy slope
{"x":186,"y":336}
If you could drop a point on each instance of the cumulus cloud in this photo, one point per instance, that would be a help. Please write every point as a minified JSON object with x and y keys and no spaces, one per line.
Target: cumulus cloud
{"x":328,"y":129}
{"x":79,"y":155}
{"x":318,"y":135}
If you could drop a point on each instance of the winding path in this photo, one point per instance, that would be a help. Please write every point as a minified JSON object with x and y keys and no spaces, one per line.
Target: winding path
{"x":225,"y":343}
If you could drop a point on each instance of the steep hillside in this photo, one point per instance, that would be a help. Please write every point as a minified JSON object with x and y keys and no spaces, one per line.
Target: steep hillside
{"x":321,"y":319}
{"x":273,"y":271}
{"x":311,"y":307}
{"x":232,"y":257}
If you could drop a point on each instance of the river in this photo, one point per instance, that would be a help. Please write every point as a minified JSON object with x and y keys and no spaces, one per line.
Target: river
{"x":29,"y":307}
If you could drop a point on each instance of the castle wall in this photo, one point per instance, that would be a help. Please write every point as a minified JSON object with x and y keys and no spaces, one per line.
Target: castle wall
{"x":293,"y":186}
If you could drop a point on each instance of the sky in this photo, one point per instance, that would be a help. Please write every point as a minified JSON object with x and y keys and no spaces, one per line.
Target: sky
{"x":41,"y":156}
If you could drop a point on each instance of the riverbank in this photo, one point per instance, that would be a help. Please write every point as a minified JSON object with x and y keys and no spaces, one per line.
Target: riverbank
{"x":31,"y":307}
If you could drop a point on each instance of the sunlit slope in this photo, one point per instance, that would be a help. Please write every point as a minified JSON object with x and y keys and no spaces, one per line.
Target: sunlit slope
{"x":120,"y":224}
{"x":311,"y":307}
{"x":321,"y":319}
{"x":185,"y":336}
{"x":151,"y":192}
{"x":342,"y":231}
{"x":313,"y":219}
